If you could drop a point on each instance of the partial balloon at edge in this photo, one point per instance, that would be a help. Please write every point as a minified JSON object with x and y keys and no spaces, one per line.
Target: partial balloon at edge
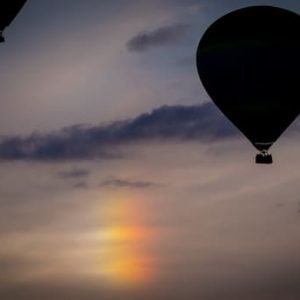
{"x":9,"y":10}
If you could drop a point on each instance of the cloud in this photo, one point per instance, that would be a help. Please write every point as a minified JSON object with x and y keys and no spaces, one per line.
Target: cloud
{"x":76,"y":176}
{"x":80,"y":185}
{"x":78,"y":142}
{"x":163,"y":36}
{"x":123,"y":183}
{"x":74,"y":173}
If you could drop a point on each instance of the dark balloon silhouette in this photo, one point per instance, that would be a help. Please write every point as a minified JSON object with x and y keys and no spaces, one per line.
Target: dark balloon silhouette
{"x":8,"y":12}
{"x":249,"y":64}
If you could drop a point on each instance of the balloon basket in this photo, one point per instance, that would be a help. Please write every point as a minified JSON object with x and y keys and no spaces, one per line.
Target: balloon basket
{"x":264,"y":158}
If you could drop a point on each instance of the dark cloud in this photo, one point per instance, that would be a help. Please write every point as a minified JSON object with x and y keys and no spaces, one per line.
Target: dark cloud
{"x":74,"y":173}
{"x":167,"y":123}
{"x":164,"y":36}
{"x":117,"y":182}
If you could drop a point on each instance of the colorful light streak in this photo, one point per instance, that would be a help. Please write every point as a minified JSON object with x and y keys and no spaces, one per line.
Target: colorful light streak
{"x":124,"y":240}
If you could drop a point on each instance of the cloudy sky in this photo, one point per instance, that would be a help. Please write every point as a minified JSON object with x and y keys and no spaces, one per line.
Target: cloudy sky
{"x":119,"y":177}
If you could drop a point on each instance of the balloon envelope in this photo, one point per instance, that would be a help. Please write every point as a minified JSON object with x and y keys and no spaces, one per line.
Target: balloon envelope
{"x":9,"y":10}
{"x":248,"y":62}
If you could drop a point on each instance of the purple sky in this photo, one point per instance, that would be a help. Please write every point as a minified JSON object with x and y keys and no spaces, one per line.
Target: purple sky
{"x":119,"y":177}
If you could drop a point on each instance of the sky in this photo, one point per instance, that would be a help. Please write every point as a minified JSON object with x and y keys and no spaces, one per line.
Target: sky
{"x":120,"y":179}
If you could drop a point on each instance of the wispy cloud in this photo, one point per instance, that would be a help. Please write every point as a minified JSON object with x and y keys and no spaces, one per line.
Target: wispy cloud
{"x":73,"y":173}
{"x":78,"y":142}
{"x":80,"y":185}
{"x":163,"y":36}
{"x":124,"y":183}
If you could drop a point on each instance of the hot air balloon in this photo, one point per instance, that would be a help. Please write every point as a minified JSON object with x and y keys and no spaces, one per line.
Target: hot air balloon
{"x":249,"y":64}
{"x":8,"y":12}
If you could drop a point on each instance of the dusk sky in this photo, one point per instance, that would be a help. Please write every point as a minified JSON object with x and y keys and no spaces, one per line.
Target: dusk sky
{"x":120,"y":179}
